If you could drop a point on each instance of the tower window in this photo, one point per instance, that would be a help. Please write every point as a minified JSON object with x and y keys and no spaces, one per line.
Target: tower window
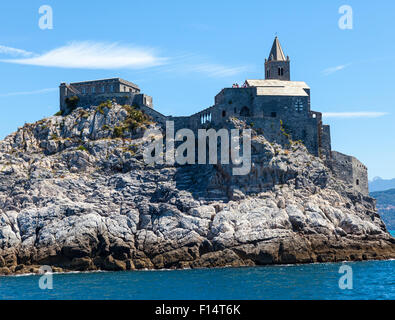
{"x":280,"y":71}
{"x":223,"y":113}
{"x":274,"y":114}
{"x":268,"y":74}
{"x":357,"y":182}
{"x":299,"y":105}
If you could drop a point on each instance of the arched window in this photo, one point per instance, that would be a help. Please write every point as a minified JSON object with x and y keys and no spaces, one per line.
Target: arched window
{"x":245,"y":112}
{"x":223,"y":113}
{"x":357,"y":182}
{"x":268,"y":74}
{"x":280,"y":71}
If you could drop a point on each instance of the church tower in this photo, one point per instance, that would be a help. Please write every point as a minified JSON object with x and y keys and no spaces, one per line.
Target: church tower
{"x":277,"y":66}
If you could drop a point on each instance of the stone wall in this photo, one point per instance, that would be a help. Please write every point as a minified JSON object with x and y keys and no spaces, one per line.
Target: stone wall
{"x":271,"y":70}
{"x":350,"y":170}
{"x":326,"y":144}
{"x":276,"y":116}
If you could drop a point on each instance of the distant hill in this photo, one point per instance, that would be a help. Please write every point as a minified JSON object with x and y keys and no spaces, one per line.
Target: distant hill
{"x":379,"y":184}
{"x":386,"y":206}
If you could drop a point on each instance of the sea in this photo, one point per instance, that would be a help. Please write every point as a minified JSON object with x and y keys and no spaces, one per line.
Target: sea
{"x":373,"y":280}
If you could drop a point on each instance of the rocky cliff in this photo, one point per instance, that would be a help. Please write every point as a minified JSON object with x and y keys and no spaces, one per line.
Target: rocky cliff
{"x":76,"y":194}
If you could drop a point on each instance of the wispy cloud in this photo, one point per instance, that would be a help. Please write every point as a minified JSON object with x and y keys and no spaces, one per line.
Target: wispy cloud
{"x":217,"y":70}
{"x":354,"y":114}
{"x":100,"y":55}
{"x":94,"y":55}
{"x":14,"y":51}
{"x":194,"y":63}
{"x":332,"y":70}
{"x":24,"y":93}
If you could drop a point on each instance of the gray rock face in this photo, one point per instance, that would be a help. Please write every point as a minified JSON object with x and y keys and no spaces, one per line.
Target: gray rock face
{"x":75,"y":197}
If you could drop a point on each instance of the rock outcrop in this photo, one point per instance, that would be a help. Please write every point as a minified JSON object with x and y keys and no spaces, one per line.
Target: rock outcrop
{"x":76,"y":194}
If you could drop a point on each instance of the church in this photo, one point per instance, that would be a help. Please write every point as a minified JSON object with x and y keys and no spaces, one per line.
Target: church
{"x":270,"y":100}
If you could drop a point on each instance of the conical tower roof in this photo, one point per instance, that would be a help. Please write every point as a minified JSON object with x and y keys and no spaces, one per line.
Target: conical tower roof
{"x":276,"y":54}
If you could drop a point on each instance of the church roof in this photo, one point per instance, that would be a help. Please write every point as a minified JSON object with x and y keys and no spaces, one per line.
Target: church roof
{"x":276,"y":54}
{"x":279,"y":87}
{"x":281,"y":91}
{"x":276,"y":83}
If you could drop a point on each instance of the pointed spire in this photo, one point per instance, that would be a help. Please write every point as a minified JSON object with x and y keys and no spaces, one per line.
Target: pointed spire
{"x":276,"y":54}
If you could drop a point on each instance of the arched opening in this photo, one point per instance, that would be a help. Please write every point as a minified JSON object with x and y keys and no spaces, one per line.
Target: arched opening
{"x":223,"y":113}
{"x":245,"y":112}
{"x":357,"y":182}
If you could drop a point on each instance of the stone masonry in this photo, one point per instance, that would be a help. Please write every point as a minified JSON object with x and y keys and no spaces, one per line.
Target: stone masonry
{"x":275,"y":106}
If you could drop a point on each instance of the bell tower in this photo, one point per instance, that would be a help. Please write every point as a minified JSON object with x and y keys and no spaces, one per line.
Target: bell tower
{"x":277,"y":66}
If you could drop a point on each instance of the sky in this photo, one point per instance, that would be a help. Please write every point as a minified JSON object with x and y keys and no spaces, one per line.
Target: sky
{"x":182,"y":53}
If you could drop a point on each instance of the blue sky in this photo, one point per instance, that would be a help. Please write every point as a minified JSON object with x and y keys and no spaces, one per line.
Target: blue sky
{"x":183,"y":53}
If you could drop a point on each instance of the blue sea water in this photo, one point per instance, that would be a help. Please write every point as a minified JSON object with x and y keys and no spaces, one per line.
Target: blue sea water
{"x":371,"y":280}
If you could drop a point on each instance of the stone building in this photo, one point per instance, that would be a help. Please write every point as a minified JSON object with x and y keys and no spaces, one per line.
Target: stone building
{"x":274,"y":105}
{"x":272,"y":101}
{"x":89,"y":93}
{"x":350,"y":170}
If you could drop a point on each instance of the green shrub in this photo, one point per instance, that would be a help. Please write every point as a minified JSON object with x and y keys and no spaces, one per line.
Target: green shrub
{"x":118,"y":132}
{"x":106,"y":104}
{"x":59,"y":113}
{"x":82,"y":148}
{"x":136,"y":118}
